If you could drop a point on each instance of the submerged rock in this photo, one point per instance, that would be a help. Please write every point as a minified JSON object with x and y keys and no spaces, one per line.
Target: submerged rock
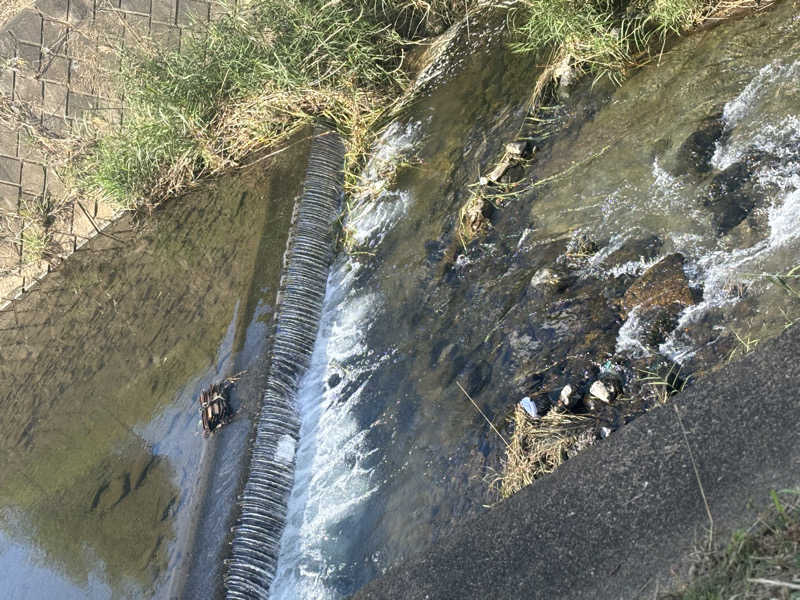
{"x":732,"y":195}
{"x":636,"y":249}
{"x":695,"y":153}
{"x":663,"y":284}
{"x":519,"y":149}
{"x":659,"y":322}
{"x":475,"y":217}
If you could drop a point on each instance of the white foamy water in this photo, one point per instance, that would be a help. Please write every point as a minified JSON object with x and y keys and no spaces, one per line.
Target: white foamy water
{"x":755,"y":121}
{"x":376,"y":209}
{"x":331,"y":479}
{"x":629,"y":336}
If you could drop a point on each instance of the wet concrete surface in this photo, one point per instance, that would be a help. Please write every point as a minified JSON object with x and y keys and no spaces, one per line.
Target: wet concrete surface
{"x":107,"y":478}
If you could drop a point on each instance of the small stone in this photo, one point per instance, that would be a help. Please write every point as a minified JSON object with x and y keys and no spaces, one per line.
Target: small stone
{"x":495,"y":174}
{"x":544,"y":276}
{"x":516,"y":148}
{"x":605,"y":432}
{"x":600,"y":391}
{"x":528,"y":406}
{"x":334,"y":380}
{"x":566,"y":397}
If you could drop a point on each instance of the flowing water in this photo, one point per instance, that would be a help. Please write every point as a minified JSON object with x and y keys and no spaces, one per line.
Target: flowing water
{"x":391,"y":454}
{"x":270,"y":475}
{"x":108,"y":488}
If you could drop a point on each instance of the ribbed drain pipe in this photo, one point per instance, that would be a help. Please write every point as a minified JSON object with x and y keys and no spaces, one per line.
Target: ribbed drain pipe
{"x":257,"y":533}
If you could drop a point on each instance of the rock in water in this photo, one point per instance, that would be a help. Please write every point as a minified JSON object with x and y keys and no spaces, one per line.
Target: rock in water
{"x":695,"y":153}
{"x":566,"y":398}
{"x":663,"y":284}
{"x":600,"y":391}
{"x":519,"y":149}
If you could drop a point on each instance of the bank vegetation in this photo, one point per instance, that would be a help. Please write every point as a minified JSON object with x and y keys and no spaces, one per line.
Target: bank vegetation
{"x":264,"y":69}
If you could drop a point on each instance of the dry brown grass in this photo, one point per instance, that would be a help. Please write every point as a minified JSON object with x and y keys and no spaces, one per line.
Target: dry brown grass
{"x":539,"y":446}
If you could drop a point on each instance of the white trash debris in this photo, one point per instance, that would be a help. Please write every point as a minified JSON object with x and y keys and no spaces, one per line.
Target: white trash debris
{"x":565,"y":399}
{"x":600,"y":391}
{"x":528,"y":406}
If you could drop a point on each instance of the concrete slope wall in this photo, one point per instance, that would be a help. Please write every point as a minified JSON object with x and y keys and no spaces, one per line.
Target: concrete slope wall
{"x":58,"y":59}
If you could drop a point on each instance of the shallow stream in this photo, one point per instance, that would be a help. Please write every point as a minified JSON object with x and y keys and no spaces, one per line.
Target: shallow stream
{"x":391,"y":452}
{"x":108,"y":486}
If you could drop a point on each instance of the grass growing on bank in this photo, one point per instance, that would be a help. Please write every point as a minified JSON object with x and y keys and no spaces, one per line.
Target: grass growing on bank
{"x":248,"y":81}
{"x":608,"y":37}
{"x":253,"y":77}
{"x":762,"y":562}
{"x":418,"y":18}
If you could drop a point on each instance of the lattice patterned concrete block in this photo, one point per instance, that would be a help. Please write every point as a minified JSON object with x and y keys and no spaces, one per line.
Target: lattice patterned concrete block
{"x":77,"y":103}
{"x":80,"y":10}
{"x":191,"y":12}
{"x":29,"y":149}
{"x":54,"y":186}
{"x":55,"y":98}
{"x":56,"y":69}
{"x":136,"y":6}
{"x":8,"y":45}
{"x":82,"y":227}
{"x":10,"y":286}
{"x":60,"y":74}
{"x":137,"y":30}
{"x":28,"y":26}
{"x":164,"y":11}
{"x":109,"y":25}
{"x":165,"y":36}
{"x":28,"y":56}
{"x":28,"y":90}
{"x":9,"y":199}
{"x":32,"y":179}
{"x":8,"y":141}
{"x":10,"y":169}
{"x":54,"y":36}
{"x":6,"y":83}
{"x":55,"y":125}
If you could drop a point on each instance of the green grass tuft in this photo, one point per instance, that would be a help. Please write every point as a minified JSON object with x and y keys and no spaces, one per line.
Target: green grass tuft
{"x":760,"y":563}
{"x":263,"y":69}
{"x":608,"y":37}
{"x":247,"y":81}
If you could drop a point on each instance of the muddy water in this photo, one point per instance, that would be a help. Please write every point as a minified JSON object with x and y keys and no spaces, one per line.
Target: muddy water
{"x":108,"y":487}
{"x":391,"y":452}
